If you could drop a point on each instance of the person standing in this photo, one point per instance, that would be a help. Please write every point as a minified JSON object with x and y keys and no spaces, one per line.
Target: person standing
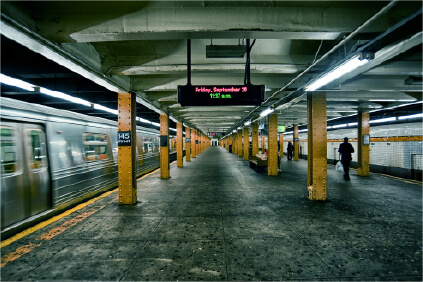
{"x":345,"y":150}
{"x":289,"y":150}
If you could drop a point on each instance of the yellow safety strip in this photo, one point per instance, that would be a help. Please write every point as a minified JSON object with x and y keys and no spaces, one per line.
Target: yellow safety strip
{"x":53,"y":219}
{"x":57,"y":217}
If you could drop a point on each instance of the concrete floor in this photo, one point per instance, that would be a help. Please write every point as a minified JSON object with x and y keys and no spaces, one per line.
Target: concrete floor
{"x":216,"y":219}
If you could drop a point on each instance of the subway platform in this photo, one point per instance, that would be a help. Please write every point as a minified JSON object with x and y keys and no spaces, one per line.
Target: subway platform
{"x":217,"y":219}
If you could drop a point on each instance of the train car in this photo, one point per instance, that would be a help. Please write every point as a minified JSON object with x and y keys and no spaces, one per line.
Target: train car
{"x":52,"y":159}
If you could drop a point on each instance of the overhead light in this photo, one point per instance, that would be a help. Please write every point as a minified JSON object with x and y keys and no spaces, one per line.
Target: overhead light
{"x":173,"y":129}
{"x":143,"y":120}
{"x":100,"y":107}
{"x":339,"y":125}
{"x":64,"y":96}
{"x":383,"y":120}
{"x":337,"y":72}
{"x":234,"y":131}
{"x":266,"y":112}
{"x":411,"y":116}
{"x":156,"y":124}
{"x":247,"y":123}
{"x":353,"y":124}
{"x":16,"y":82}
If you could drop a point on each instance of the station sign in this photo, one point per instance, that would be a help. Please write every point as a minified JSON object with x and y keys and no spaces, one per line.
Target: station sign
{"x":215,"y":134}
{"x":281,"y":128}
{"x":124,"y":138}
{"x":220,"y":95}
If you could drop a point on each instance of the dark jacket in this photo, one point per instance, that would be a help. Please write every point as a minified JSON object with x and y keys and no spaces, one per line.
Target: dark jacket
{"x":346,"y":149}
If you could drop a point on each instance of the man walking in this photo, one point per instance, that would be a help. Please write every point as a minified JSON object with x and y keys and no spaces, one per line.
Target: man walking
{"x":345,"y":150}
{"x":289,"y":150}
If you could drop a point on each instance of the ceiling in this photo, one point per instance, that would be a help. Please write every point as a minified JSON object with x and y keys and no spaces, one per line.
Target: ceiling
{"x":141,"y":46}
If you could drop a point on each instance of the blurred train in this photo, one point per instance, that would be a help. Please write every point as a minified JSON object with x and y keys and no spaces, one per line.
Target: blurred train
{"x":51,"y":159}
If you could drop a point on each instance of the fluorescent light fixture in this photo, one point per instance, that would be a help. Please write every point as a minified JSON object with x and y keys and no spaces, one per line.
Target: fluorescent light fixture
{"x":156,"y":124}
{"x":100,"y":107}
{"x":288,"y":132}
{"x":337,"y":72}
{"x":339,"y":125}
{"x":143,"y":120}
{"x":234,"y":131}
{"x":64,"y":96}
{"x":247,"y":123}
{"x":239,"y":128}
{"x":383,"y":120}
{"x":266,"y":112}
{"x":353,"y":124}
{"x":302,"y":130}
{"x":173,"y":129}
{"x":16,"y":82}
{"x":410,"y":116}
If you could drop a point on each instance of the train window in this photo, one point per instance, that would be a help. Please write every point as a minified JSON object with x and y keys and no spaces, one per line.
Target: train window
{"x":95,"y":146}
{"x":9,"y":162}
{"x":37,"y":145}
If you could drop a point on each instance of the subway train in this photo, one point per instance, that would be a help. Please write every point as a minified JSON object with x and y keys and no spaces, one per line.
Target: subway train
{"x":52,"y":159}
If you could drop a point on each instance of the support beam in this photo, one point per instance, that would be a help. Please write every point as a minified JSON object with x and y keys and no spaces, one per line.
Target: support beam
{"x":127,"y":152}
{"x":246,"y":143}
{"x":263,"y":144}
{"x":363,"y":142}
{"x":317,"y":146}
{"x":179,"y":145}
{"x":164,"y":147}
{"x":297,"y":142}
{"x":188,"y":144}
{"x":272,"y":153}
{"x":254,"y":141}
{"x":193,"y":138}
{"x":240,"y":142}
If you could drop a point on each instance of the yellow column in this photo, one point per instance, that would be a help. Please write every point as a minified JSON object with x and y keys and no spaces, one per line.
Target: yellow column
{"x":188,"y":144}
{"x":197,"y":150}
{"x":246,"y":143}
{"x":363,"y":142}
{"x":272,"y":153}
{"x":281,"y":145}
{"x":240,"y":142}
{"x":164,"y":146}
{"x":235,"y":143}
{"x":179,"y":145}
{"x":254,"y":141}
{"x":296,"y":143}
{"x":317,"y":140}
{"x":126,"y":156}
{"x":263,"y":144}
{"x":193,"y":151}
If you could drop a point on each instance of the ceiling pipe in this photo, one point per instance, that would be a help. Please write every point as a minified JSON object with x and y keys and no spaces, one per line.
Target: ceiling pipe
{"x":188,"y":61}
{"x":345,"y":40}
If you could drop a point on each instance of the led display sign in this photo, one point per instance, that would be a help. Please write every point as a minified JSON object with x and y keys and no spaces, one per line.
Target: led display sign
{"x":215,"y":95}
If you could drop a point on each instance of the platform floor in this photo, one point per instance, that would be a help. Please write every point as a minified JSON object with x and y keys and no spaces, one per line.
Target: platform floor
{"x":217,"y":219}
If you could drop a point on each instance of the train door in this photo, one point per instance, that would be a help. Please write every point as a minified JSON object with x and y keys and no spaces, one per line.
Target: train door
{"x":25,"y":180}
{"x":12,"y":174}
{"x":38,"y":184}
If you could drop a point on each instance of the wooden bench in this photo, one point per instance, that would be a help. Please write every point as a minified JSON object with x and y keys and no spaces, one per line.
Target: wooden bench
{"x":258,"y":162}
